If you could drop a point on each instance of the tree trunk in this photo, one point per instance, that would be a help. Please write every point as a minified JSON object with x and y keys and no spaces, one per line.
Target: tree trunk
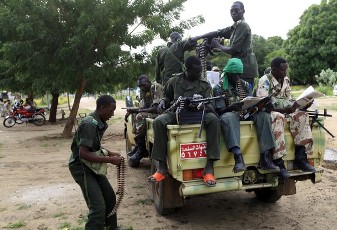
{"x":72,"y":117}
{"x":53,"y":107}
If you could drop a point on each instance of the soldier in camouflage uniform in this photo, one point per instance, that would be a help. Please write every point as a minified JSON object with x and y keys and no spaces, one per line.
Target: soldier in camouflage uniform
{"x":150,"y":96}
{"x":186,"y":85}
{"x":283,"y":105}
{"x":235,"y":89}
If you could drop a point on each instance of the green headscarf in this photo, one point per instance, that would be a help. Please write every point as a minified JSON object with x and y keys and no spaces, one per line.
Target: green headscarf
{"x":234,"y":65}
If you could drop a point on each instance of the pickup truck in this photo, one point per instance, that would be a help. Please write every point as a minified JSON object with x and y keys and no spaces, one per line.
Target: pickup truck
{"x":186,"y":159}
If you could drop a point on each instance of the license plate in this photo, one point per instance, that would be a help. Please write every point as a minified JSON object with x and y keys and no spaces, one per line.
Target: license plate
{"x":193,"y":150}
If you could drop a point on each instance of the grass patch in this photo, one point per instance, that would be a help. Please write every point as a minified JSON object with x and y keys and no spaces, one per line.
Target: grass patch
{"x":3,"y":209}
{"x":23,"y":206}
{"x":60,"y":215}
{"x":65,"y":225}
{"x":18,"y":224}
{"x":82,"y":219}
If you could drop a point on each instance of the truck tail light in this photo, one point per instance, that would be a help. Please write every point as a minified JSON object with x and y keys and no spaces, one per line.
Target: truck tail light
{"x":191,"y":174}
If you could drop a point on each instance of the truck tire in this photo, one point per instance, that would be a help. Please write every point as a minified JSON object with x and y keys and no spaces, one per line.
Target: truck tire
{"x":166,"y":197}
{"x":268,"y":195}
{"x":128,"y":145}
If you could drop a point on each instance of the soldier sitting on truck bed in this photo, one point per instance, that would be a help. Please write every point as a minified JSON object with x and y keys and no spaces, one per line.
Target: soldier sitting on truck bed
{"x":186,"y":85}
{"x":235,"y":89}
{"x":150,"y":95}
{"x":283,"y":104}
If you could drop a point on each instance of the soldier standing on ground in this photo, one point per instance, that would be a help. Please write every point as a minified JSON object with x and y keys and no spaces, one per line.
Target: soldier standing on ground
{"x":96,"y":188}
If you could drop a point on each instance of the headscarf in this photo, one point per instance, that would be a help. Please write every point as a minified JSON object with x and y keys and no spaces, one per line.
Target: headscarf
{"x":234,"y":65}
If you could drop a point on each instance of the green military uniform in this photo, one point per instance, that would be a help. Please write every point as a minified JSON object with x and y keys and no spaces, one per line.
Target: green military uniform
{"x":160,"y":63}
{"x":230,"y":121}
{"x":173,"y":59}
{"x":97,"y":191}
{"x":240,"y":36}
{"x":174,"y":88}
{"x":148,"y":99}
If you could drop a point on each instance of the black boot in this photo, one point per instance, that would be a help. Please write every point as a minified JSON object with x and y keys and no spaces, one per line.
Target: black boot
{"x":134,"y":150}
{"x":266,"y":162}
{"x":301,"y":160}
{"x":141,"y":152}
{"x":283,"y":171}
{"x":239,"y":163}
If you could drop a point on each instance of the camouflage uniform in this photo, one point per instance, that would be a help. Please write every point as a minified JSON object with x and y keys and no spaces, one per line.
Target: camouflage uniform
{"x":299,"y":120}
{"x":175,"y":87}
{"x":147,"y":100}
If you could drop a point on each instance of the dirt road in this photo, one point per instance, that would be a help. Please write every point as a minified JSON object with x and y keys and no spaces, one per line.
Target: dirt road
{"x":37,"y":191}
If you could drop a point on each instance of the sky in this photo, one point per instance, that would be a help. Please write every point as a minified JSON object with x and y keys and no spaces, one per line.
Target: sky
{"x":266,"y":18}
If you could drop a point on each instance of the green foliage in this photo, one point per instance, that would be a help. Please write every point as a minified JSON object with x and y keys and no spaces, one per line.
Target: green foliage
{"x":18,"y":224}
{"x":327,"y":78}
{"x":325,"y":89}
{"x":311,"y":46}
{"x":53,"y":45}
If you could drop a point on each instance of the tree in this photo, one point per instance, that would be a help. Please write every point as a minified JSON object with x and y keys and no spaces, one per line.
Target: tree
{"x":86,"y":44}
{"x":312,"y":45}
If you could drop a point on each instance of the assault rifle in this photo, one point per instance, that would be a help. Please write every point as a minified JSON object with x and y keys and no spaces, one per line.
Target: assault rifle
{"x":259,"y":105}
{"x":314,"y":115}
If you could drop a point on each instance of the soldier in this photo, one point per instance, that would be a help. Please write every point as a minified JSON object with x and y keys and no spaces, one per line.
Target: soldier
{"x":96,"y":188}
{"x":170,"y":59}
{"x":186,"y":85}
{"x":240,"y":36}
{"x":284,"y":106}
{"x":150,"y":95}
{"x":235,"y":89}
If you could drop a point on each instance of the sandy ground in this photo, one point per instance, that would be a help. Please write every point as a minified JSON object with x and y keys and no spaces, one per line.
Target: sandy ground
{"x":38,"y":192}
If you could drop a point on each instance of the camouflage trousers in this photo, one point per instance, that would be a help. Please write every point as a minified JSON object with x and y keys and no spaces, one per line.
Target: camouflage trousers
{"x":139,"y":125}
{"x":299,"y":129}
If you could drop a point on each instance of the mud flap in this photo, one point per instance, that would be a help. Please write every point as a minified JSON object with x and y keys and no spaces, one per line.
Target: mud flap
{"x":287,"y":187}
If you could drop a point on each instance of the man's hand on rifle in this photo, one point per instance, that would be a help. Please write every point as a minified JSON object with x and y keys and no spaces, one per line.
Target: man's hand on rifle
{"x":234,"y":107}
{"x":161,"y":107}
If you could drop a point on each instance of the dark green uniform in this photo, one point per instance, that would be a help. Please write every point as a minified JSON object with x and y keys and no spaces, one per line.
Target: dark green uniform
{"x":173,"y":59}
{"x":240,"y":36}
{"x":97,"y":191}
{"x":230,"y":121}
{"x":174,"y":88}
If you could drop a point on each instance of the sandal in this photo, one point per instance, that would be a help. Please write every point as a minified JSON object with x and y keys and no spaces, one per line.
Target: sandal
{"x":157,"y":177}
{"x":209,"y":180}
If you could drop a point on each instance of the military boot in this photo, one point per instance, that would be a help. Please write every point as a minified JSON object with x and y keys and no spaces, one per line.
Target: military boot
{"x":239,"y":163}
{"x":267,"y":163}
{"x":134,"y":150}
{"x":141,"y":152}
{"x":283,"y":171}
{"x":301,"y":160}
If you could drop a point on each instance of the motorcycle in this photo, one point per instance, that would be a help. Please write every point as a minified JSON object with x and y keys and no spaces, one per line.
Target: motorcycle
{"x":20,"y":115}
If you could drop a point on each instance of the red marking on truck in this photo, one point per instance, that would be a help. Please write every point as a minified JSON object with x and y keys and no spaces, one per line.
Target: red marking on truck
{"x":193,"y":150}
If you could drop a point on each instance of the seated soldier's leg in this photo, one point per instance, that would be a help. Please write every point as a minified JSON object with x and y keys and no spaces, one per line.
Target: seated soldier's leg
{"x":160,"y":144}
{"x":140,"y":125}
{"x":301,"y":132}
{"x":230,"y":124}
{"x":263,"y":124}
{"x":211,"y":124}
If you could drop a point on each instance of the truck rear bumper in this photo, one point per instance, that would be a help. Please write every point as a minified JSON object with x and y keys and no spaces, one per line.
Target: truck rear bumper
{"x":222,"y":185}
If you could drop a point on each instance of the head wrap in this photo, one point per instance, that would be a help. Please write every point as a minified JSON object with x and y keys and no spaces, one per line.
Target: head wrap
{"x":234,"y":65}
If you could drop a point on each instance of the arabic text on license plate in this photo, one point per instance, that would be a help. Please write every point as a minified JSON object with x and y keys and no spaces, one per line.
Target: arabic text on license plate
{"x":193,"y":150}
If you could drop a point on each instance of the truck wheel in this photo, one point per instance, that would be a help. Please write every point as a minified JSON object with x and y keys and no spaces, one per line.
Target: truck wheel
{"x":166,"y":195}
{"x":128,"y":145}
{"x":268,"y":195}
